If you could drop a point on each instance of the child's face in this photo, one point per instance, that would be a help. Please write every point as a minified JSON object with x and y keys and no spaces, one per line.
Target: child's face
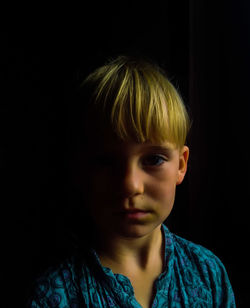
{"x":131,"y":187}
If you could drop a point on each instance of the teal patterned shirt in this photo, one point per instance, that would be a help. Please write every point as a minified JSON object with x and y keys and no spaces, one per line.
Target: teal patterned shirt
{"x":193,"y":277}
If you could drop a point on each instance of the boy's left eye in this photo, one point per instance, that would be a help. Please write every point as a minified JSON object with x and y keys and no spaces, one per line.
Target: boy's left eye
{"x":154,"y":160}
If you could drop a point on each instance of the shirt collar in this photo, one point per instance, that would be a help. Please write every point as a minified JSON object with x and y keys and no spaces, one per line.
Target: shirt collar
{"x":168,"y":255}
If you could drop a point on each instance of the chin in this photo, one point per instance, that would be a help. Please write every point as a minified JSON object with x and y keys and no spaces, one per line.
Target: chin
{"x":136,"y":231}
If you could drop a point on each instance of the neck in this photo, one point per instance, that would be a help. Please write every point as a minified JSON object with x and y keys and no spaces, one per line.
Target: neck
{"x":123,"y":252}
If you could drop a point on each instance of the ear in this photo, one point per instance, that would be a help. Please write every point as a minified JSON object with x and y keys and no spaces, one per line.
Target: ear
{"x":183,"y":160}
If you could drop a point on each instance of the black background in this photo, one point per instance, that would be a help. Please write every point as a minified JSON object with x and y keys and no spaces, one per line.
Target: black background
{"x":203,"y":46}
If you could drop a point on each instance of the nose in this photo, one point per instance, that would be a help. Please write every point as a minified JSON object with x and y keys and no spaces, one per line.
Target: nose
{"x":131,"y":181}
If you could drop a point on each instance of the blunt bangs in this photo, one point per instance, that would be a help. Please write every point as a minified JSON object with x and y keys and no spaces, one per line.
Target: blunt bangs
{"x":138,"y":102}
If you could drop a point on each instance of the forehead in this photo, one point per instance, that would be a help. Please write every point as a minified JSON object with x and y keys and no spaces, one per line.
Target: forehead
{"x":105,"y":140}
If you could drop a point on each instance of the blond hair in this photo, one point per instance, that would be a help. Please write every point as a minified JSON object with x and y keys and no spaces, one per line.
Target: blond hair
{"x":138,"y":101}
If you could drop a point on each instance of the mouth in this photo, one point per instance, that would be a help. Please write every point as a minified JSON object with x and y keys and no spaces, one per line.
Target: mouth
{"x":135,"y":214}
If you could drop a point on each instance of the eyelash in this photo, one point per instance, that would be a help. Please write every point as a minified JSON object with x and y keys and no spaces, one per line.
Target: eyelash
{"x":109,"y":161}
{"x":158,"y":157}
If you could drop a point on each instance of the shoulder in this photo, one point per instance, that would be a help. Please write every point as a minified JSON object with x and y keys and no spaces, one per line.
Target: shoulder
{"x":56,"y":287}
{"x":204,"y":267}
{"x":184,"y":249}
{"x":195,"y":252}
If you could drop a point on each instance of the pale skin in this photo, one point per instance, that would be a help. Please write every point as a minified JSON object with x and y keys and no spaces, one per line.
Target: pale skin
{"x":125,"y":176}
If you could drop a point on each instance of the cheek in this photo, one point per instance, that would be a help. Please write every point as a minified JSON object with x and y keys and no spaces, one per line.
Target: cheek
{"x":99,"y":191}
{"x":164,"y":199}
{"x":163,"y":192}
{"x":164,"y":183}
{"x":100,"y":184}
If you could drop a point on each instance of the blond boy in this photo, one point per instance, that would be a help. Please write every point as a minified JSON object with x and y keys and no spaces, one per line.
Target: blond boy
{"x":132,"y":156}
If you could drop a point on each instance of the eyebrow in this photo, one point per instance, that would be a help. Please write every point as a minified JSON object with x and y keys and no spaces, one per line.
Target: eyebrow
{"x":146,"y":148}
{"x":159,"y":148}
